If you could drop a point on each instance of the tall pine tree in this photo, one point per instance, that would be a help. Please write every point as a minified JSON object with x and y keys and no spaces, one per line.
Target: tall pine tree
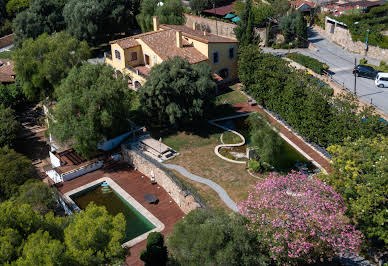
{"x":245,"y":32}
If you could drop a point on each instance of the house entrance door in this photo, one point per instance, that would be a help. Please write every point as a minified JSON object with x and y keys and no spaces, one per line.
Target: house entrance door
{"x":147,"y":59}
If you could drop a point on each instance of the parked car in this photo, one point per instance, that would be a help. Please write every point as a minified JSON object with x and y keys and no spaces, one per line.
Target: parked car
{"x":365,"y":71}
{"x":381,"y":80}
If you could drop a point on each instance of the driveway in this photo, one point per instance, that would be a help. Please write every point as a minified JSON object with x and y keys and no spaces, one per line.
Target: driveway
{"x":341,"y":63}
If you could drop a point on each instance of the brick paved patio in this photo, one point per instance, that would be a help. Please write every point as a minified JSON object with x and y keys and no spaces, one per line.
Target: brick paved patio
{"x":167,"y":211}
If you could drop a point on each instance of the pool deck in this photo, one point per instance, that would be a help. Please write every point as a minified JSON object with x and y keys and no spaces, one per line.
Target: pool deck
{"x":167,"y":211}
{"x":297,"y":141}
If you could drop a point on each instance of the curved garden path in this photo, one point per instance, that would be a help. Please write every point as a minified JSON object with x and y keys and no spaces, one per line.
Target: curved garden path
{"x":218,"y":147}
{"x":217,"y":188}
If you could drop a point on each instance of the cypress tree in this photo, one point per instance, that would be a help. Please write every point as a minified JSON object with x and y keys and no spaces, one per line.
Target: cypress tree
{"x":245,"y":29}
{"x":301,"y":31}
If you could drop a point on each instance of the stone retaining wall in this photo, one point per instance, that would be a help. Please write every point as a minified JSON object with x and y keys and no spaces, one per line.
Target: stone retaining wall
{"x":218,"y":27}
{"x":341,"y":36}
{"x":185,"y":201}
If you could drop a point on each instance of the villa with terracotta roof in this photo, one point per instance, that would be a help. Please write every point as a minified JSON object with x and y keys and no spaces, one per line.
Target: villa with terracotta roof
{"x":135,"y":55}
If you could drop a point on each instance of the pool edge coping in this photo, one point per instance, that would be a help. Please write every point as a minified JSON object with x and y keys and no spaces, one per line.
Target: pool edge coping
{"x":159,"y":226}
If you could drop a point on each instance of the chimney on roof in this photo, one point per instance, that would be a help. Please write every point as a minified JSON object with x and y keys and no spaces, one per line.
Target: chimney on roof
{"x":155,"y":21}
{"x":204,"y":33}
{"x":8,"y":63}
{"x":194,"y":25}
{"x":179,"y":39}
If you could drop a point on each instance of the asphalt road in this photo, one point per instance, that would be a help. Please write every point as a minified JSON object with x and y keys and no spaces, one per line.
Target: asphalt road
{"x":341,"y":63}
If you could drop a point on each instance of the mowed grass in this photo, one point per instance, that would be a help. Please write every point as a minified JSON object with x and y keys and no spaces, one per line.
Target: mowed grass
{"x":196,"y":148}
{"x":231,"y":97}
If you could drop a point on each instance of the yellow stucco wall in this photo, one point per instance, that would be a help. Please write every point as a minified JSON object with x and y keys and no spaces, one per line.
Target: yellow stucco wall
{"x":224,"y":60}
{"x":204,"y":48}
{"x":139,"y":60}
{"x":154,"y":58}
{"x":117,"y":63}
{"x":200,"y":46}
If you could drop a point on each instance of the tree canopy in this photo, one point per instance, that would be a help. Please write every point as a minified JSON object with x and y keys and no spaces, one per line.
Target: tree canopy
{"x":41,"y":64}
{"x":94,"y":237}
{"x":43,"y":16}
{"x":92,"y":105}
{"x":95,"y":21}
{"x":264,"y":139}
{"x":156,"y":253}
{"x":15,"y":169}
{"x":39,"y":195}
{"x":204,"y":238}
{"x":9,"y":126}
{"x":307,"y":104}
{"x":177,"y":92}
{"x":361,"y":177}
{"x":11,"y":94}
{"x":91,"y":237}
{"x":244,"y":31}
{"x":299,"y":218}
{"x":171,"y":12}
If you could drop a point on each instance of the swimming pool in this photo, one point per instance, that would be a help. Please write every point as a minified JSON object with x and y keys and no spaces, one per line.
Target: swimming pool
{"x":105,"y":192}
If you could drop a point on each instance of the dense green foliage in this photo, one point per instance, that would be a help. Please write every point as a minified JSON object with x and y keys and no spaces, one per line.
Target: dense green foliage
{"x":376,"y":20}
{"x":9,"y":127}
{"x":92,"y":105}
{"x":39,"y":195}
{"x":43,"y":16}
{"x":95,"y":237}
{"x":41,"y":64}
{"x":294,"y":29}
{"x":361,"y":177}
{"x":15,"y":169}
{"x":204,"y":238}
{"x":15,"y":6}
{"x":309,"y":62}
{"x":244,"y":31}
{"x":156,"y":253}
{"x":198,"y":5}
{"x":266,"y":141}
{"x":97,"y":21}
{"x":171,"y":12}
{"x":91,"y":237}
{"x":177,"y":93}
{"x":303,"y":102}
{"x":11,"y":95}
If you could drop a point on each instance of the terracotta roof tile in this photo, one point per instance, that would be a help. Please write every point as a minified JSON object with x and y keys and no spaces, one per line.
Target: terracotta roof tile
{"x":6,"y":71}
{"x":127,"y":43}
{"x":6,"y":40}
{"x":163,"y":43}
{"x":222,"y":10}
{"x":197,"y":34}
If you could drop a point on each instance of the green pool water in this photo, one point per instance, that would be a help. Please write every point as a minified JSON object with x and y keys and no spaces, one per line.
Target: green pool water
{"x":136,"y":225}
{"x":288,"y":157}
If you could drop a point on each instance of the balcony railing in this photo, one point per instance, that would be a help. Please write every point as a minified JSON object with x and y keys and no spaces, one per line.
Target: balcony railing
{"x":136,"y":71}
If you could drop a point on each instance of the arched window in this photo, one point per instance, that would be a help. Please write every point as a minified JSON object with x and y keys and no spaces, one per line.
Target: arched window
{"x":117,"y":55}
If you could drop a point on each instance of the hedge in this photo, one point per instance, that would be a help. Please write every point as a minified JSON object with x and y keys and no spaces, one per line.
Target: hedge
{"x":309,"y":62}
{"x":302,"y":102}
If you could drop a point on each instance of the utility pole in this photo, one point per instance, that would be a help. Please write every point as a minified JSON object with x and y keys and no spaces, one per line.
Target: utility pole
{"x":355,"y":76}
{"x":215,"y":13}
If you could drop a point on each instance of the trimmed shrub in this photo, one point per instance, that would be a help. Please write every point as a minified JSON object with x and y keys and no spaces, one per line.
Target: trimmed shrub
{"x":309,"y":62}
{"x":156,"y":252}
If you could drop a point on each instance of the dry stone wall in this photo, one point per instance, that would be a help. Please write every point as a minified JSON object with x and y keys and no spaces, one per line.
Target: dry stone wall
{"x":217,"y":27}
{"x":341,"y":35}
{"x":185,"y":201}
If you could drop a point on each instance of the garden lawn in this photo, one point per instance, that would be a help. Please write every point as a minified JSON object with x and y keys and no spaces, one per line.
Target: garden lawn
{"x":198,"y":157}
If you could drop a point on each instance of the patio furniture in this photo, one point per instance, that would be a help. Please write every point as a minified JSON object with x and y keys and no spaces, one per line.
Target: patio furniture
{"x":151,"y":198}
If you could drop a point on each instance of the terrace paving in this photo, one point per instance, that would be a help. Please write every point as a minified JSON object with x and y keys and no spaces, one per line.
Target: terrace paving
{"x":167,"y":211}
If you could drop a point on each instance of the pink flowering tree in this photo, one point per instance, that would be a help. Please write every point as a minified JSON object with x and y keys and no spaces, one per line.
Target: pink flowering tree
{"x":299,"y":218}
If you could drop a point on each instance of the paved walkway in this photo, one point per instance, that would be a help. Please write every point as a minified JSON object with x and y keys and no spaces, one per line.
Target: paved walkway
{"x":217,"y":188}
{"x":321,"y":160}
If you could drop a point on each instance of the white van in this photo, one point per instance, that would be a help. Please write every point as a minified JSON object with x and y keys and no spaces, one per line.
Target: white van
{"x":381,"y":80}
